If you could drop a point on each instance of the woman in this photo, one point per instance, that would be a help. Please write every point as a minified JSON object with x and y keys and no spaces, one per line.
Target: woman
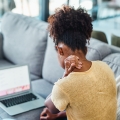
{"x":84,"y":93}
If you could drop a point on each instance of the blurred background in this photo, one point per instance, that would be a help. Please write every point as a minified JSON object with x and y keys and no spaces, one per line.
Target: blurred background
{"x":105,"y":13}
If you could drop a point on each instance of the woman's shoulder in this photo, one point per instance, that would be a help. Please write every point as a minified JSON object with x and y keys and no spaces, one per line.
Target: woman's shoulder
{"x":103,"y":67}
{"x":65,"y":82}
{"x":62,"y":81}
{"x":100,"y":63}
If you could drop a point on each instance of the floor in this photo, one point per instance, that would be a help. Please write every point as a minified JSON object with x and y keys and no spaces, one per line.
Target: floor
{"x":108,"y":26}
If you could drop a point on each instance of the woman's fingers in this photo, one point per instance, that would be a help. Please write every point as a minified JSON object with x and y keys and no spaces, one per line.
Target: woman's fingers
{"x":71,"y":63}
{"x":43,"y":115}
{"x":75,"y":63}
{"x":44,"y":112}
{"x":72,"y":67}
{"x":43,"y":118}
{"x":47,"y":115}
{"x":67,"y":65}
{"x":78,"y":65}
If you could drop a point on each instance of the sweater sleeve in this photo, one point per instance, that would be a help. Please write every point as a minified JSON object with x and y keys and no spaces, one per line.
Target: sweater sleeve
{"x":59,"y":98}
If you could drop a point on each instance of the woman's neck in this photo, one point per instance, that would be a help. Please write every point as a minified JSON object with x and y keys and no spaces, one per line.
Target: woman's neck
{"x":86,"y":64}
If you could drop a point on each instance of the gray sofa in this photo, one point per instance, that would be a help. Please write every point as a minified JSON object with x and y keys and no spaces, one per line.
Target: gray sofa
{"x":24,"y":40}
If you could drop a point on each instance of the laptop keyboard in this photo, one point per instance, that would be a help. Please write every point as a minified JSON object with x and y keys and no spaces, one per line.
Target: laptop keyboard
{"x":18,"y":100}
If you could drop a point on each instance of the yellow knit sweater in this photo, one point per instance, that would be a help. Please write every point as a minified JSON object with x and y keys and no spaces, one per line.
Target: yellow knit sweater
{"x":89,"y":95}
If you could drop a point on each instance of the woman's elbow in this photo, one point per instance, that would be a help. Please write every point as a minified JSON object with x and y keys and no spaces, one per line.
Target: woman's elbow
{"x":46,"y":103}
{"x":50,"y":106}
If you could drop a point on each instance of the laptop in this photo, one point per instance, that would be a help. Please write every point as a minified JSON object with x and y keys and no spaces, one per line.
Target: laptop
{"x":16,"y":95}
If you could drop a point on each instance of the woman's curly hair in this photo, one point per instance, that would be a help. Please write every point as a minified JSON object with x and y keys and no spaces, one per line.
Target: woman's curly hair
{"x":70,"y":26}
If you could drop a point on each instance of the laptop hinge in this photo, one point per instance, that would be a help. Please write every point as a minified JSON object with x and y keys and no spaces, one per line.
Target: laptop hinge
{"x":14,"y":95}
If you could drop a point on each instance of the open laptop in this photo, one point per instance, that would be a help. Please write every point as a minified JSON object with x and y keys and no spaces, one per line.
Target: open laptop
{"x":16,"y":95}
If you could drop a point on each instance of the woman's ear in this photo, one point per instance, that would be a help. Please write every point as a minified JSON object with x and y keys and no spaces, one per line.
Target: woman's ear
{"x":60,"y":51}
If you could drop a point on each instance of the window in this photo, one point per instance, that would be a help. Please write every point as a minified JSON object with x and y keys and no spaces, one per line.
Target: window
{"x":55,"y":4}
{"x":87,"y":4}
{"x":25,"y":7}
{"x":74,"y":3}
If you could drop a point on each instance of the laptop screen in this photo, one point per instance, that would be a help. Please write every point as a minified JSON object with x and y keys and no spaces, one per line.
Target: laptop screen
{"x":13,"y":80}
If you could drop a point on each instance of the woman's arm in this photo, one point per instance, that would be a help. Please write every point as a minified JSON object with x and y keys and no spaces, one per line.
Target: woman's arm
{"x":51,"y":111}
{"x":49,"y":104}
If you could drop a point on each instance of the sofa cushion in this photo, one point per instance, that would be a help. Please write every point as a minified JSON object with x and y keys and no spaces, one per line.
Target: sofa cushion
{"x":5,"y":63}
{"x":33,"y":77}
{"x":97,"y":50}
{"x":113,"y":60}
{"x":42,"y":87}
{"x":51,"y":68}
{"x":24,"y":41}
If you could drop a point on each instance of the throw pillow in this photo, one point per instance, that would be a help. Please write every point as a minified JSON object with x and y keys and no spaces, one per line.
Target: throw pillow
{"x":97,"y":50}
{"x":25,"y":41}
{"x":113,"y":60}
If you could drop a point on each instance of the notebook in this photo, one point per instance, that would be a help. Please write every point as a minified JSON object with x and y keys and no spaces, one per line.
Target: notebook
{"x":16,"y":95}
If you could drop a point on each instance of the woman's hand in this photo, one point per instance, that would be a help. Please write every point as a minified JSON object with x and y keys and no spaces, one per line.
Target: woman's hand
{"x":71,"y":63}
{"x":47,"y":115}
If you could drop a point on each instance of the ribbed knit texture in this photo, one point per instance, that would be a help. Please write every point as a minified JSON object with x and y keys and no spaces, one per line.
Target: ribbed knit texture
{"x":89,"y":95}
